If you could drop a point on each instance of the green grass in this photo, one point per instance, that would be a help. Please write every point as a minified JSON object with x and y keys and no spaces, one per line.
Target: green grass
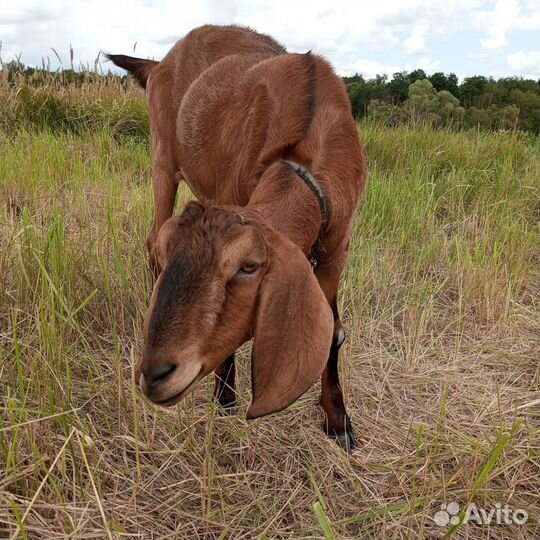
{"x":46,"y":101}
{"x":440,"y":300}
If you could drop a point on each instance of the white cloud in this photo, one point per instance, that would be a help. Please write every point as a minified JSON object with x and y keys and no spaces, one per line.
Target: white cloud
{"x":369,"y":68}
{"x":506,"y":16}
{"x":370,"y":37}
{"x":416,"y":42}
{"x":499,"y":22}
{"x":425,"y":63}
{"x":477,"y":56}
{"x":525,"y":63}
{"x":25,"y":12}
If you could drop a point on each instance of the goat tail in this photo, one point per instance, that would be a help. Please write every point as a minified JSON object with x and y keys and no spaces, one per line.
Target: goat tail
{"x":138,"y":67}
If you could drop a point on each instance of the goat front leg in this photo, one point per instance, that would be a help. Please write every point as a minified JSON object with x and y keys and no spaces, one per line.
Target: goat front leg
{"x":224,"y":392}
{"x":162,"y":118}
{"x":338,"y":423}
{"x":165,"y":186}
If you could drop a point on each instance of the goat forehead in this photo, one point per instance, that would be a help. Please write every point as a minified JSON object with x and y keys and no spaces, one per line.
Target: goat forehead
{"x":217,"y":221}
{"x":179,"y":286}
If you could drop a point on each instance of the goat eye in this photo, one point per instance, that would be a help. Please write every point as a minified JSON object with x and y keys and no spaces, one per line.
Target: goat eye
{"x":249,"y":267}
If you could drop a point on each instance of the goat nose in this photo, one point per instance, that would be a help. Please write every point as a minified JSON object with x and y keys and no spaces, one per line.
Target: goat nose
{"x":156,"y":376}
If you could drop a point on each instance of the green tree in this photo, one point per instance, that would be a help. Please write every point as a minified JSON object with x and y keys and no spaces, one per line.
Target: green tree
{"x":425,"y":104}
{"x":529,"y":109}
{"x":362,"y":92}
{"x":417,"y":75}
{"x":421,"y":105}
{"x":449,"y":109}
{"x":421,"y":89}
{"x":472,"y":88}
{"x":398,"y":87}
{"x":445,"y":82}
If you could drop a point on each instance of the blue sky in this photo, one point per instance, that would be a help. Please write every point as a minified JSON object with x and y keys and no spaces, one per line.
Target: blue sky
{"x":499,"y":38}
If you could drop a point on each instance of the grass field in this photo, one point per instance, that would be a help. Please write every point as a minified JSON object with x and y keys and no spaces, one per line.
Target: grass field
{"x":441,"y":369}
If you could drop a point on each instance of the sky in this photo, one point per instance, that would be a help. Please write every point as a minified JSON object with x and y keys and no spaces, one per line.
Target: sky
{"x":467,"y":37}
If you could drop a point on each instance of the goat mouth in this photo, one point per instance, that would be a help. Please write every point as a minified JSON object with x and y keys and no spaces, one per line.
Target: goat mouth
{"x":175,"y":398}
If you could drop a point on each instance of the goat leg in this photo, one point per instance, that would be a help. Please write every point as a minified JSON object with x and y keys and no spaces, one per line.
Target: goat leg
{"x":224,"y":392}
{"x":165,"y":186}
{"x":338,"y":423}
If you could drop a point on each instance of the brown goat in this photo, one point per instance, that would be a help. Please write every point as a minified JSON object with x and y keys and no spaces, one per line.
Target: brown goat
{"x":268,"y":137}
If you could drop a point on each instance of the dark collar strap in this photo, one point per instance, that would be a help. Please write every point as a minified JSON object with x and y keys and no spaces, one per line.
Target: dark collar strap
{"x":308,"y":178}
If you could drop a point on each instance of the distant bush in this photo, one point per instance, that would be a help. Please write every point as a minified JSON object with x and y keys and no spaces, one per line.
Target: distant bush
{"x":73,"y":102}
{"x":77,"y":101}
{"x":424,"y":105}
{"x":479,"y":102}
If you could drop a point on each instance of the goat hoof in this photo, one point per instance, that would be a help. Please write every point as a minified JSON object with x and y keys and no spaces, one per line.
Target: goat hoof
{"x":347,"y":441}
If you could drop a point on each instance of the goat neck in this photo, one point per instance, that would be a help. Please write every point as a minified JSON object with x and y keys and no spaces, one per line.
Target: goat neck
{"x":287,"y":203}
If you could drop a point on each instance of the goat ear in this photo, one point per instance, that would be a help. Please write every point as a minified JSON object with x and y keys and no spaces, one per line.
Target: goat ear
{"x":293,"y":331}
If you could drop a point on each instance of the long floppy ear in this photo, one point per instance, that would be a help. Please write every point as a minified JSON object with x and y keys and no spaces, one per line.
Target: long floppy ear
{"x":293,"y":330}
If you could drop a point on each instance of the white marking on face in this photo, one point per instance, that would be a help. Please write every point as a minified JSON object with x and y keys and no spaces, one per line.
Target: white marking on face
{"x":189,"y":364}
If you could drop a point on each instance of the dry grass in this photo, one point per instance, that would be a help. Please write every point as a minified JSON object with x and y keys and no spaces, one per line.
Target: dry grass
{"x":72,"y":102}
{"x":441,"y":368}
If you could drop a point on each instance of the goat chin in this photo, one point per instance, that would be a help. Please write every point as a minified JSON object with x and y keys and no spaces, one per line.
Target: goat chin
{"x":176,"y":387}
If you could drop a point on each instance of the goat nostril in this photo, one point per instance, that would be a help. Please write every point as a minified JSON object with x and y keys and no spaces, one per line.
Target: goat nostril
{"x":160,"y":374}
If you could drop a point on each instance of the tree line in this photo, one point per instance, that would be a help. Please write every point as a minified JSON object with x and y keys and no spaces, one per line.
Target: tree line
{"x":408,"y":98}
{"x":440,"y":99}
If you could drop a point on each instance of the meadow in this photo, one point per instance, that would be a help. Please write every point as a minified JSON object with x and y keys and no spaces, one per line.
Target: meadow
{"x":441,"y":368}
